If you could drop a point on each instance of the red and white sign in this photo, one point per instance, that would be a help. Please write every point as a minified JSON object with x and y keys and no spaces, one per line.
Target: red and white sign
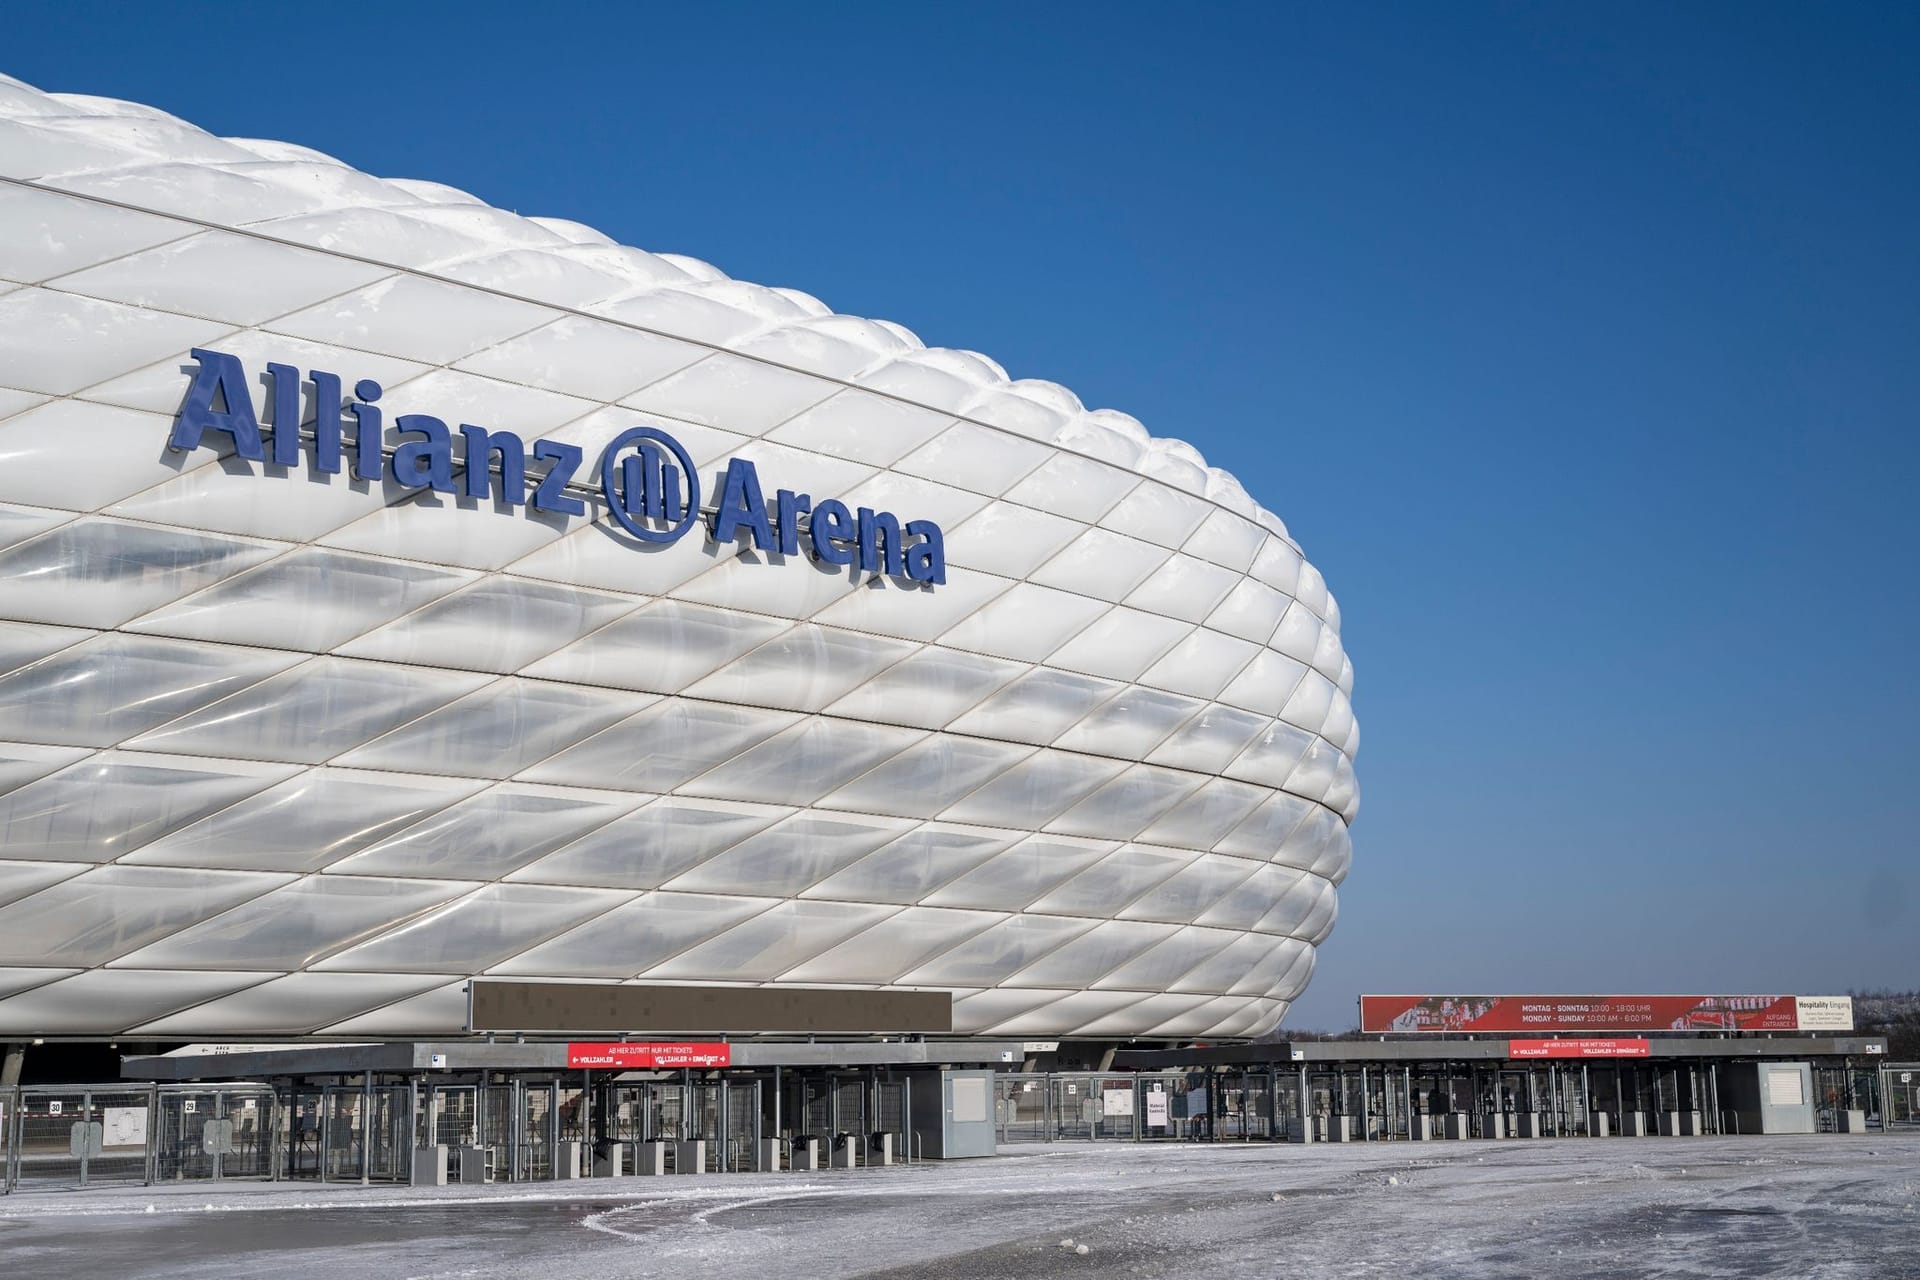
{"x":1579,"y":1048}
{"x":1632,"y":1015}
{"x":646,"y":1055}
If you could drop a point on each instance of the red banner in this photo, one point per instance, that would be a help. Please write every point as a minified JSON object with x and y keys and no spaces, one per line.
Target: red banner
{"x":1579,"y":1048}
{"x":630,"y":1056}
{"x":1531,"y":1015}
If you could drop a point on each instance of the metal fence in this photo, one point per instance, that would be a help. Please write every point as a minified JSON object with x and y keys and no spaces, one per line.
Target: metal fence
{"x":1900,"y":1095}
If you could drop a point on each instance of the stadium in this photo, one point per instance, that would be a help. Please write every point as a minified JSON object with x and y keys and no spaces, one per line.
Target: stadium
{"x":398,"y":593}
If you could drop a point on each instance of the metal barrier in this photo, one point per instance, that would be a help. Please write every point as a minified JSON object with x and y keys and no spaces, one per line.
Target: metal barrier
{"x":77,"y":1137}
{"x":208,"y":1133}
{"x":1899,"y":1095}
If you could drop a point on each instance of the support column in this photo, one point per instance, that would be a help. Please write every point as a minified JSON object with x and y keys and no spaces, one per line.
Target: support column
{"x":11,"y":1065}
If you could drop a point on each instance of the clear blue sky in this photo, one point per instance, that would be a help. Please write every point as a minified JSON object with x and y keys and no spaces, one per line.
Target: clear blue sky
{"x":1579,"y":345}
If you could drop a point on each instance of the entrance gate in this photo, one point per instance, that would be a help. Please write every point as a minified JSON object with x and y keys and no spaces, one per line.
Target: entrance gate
{"x":213,"y":1133}
{"x":77,"y":1137}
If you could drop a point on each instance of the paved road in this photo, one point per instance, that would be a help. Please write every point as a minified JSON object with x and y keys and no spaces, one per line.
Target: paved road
{"x":1827,"y":1207}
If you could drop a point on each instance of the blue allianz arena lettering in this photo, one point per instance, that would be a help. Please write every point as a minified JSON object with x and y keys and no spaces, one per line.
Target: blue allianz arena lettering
{"x":649,"y":483}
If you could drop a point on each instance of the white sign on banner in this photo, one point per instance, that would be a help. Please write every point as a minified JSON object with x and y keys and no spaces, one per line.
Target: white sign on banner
{"x":1119,"y":1102}
{"x":123,"y":1127}
{"x":1157,"y":1110}
{"x":1823,"y":1013}
{"x":189,"y":1106}
{"x":53,"y":1108}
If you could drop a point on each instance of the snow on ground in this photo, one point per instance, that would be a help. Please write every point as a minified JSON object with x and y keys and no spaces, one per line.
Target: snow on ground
{"x":1827,"y":1207}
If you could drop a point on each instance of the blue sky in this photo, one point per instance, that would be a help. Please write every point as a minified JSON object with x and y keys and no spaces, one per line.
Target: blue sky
{"x":1577,"y":344}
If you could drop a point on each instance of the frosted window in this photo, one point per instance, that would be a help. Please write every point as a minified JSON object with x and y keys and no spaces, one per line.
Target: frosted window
{"x":1227,"y":539}
{"x":1021,"y":874}
{"x":806,"y":762}
{"x":1308,"y":842}
{"x":996,"y":954}
{"x":107,"y":690}
{"x":927,"y":776}
{"x":1246,"y":903}
{"x":313,"y":712}
{"x":298,"y":1004}
{"x":479,"y":930}
{"x":1113,"y":883}
{"x":1183,"y":896}
{"x":487,"y":836}
{"x":1036,"y":708}
{"x":1128,"y":803}
{"x":95,"y":917}
{"x":771,"y":943}
{"x":1201,"y":665}
{"x":1166,"y":963}
{"x":787,"y":858}
{"x":1035,"y":791}
{"x":1206,"y":817}
{"x":1026,"y":623}
{"x":18,"y":879}
{"x":649,"y":847}
{"x":804,"y":669}
{"x":499,"y":730}
{"x":1102,"y":563}
{"x":1265,"y":684}
{"x":305,"y":823}
{"x":23,"y":642}
{"x":1159,"y":513}
{"x":1093,"y":954}
{"x":1209,"y":742}
{"x":87,"y":1003}
{"x":630,"y":938}
{"x":107,"y":805}
{"x":500,"y":624}
{"x":663,"y":746}
{"x":1310,"y":702}
{"x":1296,"y":907}
{"x":915,"y":864}
{"x":1250,"y":611}
{"x":1264,"y":833}
{"x":1184,"y":588}
{"x":1318,"y":770}
{"x":1226,"y":966}
{"x":895,"y":945}
{"x":1009,"y":540}
{"x":99,"y":573}
{"x":665,"y":647}
{"x":929,"y":689}
{"x":974,"y":457}
{"x":311,"y":599}
{"x":1131,"y":724}
{"x":1075,"y":487}
{"x":290,"y":928}
{"x":1121,"y":643}
{"x":1270,"y":758}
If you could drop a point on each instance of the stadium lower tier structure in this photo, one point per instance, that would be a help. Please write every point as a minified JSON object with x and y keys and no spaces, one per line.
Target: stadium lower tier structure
{"x":467,"y":1111}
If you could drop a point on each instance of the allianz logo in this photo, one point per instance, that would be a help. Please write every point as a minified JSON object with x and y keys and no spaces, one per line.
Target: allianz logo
{"x":648,"y":481}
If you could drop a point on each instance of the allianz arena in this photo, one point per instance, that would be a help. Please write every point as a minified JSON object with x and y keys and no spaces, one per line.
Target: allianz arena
{"x":860,"y":666}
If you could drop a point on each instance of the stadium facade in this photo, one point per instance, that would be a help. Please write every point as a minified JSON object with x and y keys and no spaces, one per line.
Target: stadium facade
{"x":758,"y":645}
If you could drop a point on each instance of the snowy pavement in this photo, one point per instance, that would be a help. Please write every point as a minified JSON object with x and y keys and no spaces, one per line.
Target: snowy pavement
{"x":1826,"y":1207}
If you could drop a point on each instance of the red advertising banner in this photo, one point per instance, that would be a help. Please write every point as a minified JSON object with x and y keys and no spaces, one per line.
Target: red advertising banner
{"x":628,"y":1056}
{"x":1533,"y":1015}
{"x":1579,"y":1047}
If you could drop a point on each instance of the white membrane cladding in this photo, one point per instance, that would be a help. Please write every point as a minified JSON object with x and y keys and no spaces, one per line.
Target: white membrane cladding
{"x":287,"y":753}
